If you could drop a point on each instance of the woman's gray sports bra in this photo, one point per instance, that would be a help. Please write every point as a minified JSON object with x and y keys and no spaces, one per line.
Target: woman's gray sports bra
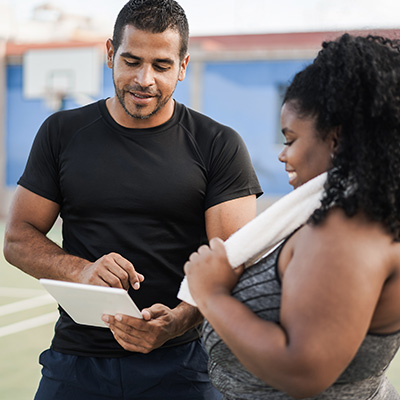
{"x":260,"y":289}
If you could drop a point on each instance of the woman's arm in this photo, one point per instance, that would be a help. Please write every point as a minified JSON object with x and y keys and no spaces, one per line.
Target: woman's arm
{"x":332,"y":282}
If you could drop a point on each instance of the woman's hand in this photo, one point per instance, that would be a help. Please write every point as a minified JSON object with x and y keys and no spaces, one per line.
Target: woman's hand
{"x":209,"y":273}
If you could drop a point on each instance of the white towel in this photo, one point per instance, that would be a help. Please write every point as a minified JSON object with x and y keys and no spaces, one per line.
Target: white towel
{"x":268,"y":229}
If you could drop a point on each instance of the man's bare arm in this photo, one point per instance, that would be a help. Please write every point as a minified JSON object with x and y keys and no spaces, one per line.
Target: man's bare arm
{"x":27,"y":247}
{"x":226,"y":218}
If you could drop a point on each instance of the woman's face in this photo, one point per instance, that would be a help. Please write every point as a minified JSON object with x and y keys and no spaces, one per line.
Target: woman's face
{"x":305,"y":154}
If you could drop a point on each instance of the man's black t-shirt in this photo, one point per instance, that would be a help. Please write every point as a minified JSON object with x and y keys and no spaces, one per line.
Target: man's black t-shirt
{"x":139,"y":193}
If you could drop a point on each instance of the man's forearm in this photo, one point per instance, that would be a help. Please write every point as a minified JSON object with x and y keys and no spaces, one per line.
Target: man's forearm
{"x":34,"y":253}
{"x":188,"y":317}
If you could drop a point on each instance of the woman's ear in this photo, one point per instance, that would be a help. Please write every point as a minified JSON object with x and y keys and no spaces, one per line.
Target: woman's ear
{"x":335,"y":136}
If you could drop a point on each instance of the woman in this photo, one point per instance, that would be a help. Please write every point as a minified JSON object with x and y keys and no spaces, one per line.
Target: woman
{"x":319,"y":317}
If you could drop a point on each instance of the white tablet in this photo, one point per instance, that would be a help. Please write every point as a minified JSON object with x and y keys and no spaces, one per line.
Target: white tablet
{"x":86,"y":304}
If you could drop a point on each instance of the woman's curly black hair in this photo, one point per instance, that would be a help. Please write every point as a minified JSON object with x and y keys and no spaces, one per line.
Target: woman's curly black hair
{"x":353,"y":86}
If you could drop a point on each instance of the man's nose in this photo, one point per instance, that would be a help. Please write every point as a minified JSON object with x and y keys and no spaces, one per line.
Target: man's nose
{"x":145,"y":76}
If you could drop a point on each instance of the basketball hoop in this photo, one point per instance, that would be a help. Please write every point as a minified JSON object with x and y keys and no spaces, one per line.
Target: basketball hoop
{"x":55,"y":75}
{"x":54,"y":99}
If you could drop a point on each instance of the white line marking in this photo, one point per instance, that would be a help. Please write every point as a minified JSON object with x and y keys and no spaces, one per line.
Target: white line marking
{"x":29,"y":324}
{"x":19,"y":292}
{"x":26,"y":304}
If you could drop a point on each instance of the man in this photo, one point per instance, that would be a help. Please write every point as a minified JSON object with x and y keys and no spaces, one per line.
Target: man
{"x":140,"y":181}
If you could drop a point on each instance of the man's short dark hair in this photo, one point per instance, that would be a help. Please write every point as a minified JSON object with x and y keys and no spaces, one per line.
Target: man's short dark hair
{"x":153,"y":16}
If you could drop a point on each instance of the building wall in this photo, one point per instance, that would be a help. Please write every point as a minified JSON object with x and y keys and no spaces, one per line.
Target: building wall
{"x":244,"y":94}
{"x":247,"y":95}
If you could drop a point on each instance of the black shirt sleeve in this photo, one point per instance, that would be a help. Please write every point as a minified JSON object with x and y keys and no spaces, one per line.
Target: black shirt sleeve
{"x":41,"y":172}
{"x":231,"y":173}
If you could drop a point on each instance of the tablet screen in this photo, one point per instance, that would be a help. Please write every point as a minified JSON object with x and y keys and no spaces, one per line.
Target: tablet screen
{"x":86,"y":304}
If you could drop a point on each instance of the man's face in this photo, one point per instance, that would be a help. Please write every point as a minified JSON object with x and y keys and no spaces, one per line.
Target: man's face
{"x":146,"y":69}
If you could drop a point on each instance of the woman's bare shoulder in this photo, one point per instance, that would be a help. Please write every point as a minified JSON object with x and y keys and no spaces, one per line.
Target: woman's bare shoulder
{"x":365,"y":259}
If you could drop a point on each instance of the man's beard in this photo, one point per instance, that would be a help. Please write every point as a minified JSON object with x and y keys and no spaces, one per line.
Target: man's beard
{"x":159,"y":105}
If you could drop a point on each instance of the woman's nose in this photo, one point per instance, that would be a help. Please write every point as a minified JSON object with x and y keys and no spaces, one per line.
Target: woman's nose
{"x":282,"y":155}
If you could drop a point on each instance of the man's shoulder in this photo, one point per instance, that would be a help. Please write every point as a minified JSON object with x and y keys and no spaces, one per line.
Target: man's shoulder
{"x":199,"y":123}
{"x":76,"y":115}
{"x":63,"y":125}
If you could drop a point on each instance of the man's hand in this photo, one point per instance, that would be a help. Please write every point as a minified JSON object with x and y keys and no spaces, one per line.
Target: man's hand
{"x":159,"y":324}
{"x":111,"y":270}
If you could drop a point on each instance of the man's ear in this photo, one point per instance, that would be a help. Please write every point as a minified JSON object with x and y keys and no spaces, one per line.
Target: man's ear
{"x":110,"y":53}
{"x":182,"y":71}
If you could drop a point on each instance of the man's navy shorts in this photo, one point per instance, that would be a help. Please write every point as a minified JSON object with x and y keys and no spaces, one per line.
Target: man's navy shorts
{"x":176,"y":373}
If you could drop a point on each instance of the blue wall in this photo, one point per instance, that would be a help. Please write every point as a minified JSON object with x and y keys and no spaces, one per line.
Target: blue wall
{"x":247,"y":96}
{"x":23,"y":118}
{"x":243,"y":95}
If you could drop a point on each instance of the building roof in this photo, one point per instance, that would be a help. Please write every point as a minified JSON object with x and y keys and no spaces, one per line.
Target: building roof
{"x":295,"y":41}
{"x":18,"y":49}
{"x":274,"y":41}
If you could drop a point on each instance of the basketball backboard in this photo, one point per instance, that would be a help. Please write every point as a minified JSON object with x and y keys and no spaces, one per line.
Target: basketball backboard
{"x":54,"y":74}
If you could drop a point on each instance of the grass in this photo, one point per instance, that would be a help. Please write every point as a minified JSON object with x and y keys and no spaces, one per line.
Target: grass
{"x":19,"y":352}
{"x":393,"y":372}
{"x":19,"y":368}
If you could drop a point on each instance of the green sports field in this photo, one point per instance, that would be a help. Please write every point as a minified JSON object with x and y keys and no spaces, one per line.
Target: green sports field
{"x":27,"y":317}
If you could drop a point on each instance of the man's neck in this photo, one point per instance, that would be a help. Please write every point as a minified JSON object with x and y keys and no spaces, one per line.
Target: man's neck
{"x":120,"y":116}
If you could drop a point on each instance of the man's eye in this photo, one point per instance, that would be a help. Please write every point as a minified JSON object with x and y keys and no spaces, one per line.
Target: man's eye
{"x":130,"y":64}
{"x":161,"y":68}
{"x":287,"y":143}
